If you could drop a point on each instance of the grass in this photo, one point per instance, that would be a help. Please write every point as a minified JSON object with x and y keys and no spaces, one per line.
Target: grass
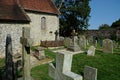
{"x":41,"y":72}
{"x":108,"y":65}
{"x":2,"y":66}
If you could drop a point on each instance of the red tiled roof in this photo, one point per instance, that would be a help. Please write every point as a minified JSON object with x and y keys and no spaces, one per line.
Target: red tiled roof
{"x":46,"y":6}
{"x":10,"y":11}
{"x":7,"y":2}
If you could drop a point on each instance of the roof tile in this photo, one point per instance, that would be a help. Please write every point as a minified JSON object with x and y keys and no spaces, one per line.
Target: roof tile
{"x":46,"y":6}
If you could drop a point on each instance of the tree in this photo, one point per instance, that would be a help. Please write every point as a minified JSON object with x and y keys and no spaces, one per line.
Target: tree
{"x":104,"y":27}
{"x":74,"y":15}
{"x":116,"y":24}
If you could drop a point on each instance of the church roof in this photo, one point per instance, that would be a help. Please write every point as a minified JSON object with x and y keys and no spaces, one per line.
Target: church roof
{"x":14,"y":10}
{"x":10,"y":11}
{"x":46,"y":6}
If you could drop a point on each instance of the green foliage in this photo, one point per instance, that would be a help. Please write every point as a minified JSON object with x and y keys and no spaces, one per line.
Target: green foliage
{"x":116,"y":24}
{"x":74,"y":15}
{"x":104,"y":27}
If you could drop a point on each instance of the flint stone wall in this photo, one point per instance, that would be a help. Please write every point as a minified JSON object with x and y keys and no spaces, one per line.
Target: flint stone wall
{"x":47,"y":34}
{"x":15,"y":30}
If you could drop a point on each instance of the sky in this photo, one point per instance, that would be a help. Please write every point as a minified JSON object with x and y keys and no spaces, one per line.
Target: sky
{"x":103,"y":12}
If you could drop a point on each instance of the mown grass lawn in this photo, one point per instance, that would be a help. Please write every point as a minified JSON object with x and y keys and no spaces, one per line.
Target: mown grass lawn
{"x":108,"y":65}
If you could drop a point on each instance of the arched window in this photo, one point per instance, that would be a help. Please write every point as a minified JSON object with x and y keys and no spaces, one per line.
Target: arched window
{"x":43,"y":23}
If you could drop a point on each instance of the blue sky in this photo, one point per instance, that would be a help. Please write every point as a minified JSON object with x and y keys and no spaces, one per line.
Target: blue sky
{"x":103,"y":12}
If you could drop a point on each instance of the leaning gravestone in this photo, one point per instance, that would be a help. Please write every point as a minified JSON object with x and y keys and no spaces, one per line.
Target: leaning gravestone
{"x":9,"y":61}
{"x":108,"y":46}
{"x":91,"y":51}
{"x":82,"y":41}
{"x":62,"y":70}
{"x":90,"y":73}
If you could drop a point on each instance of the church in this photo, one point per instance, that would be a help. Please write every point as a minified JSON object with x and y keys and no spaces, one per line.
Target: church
{"x":40,"y":15}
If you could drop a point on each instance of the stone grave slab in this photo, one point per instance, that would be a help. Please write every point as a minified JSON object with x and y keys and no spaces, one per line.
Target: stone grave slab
{"x":91,"y":51}
{"x":62,"y":70}
{"x":90,"y":73}
{"x":107,"y":46}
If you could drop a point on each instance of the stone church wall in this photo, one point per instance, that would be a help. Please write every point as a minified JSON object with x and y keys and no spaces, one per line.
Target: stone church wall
{"x":37,"y":34}
{"x":15,"y":30}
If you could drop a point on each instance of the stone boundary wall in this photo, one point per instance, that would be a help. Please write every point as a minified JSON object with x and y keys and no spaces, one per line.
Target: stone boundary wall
{"x":15,"y":30}
{"x":102,"y":33}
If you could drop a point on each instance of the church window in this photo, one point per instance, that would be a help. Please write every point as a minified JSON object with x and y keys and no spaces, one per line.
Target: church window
{"x":43,"y":23}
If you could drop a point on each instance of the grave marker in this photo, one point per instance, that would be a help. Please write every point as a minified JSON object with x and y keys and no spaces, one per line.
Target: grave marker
{"x":91,"y":51}
{"x":9,"y":61}
{"x":62,"y":70}
{"x":108,"y":46}
{"x":26,"y":42}
{"x":82,"y":42}
{"x":90,"y":73}
{"x":74,"y":46}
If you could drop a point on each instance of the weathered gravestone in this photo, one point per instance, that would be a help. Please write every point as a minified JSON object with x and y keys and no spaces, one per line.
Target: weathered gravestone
{"x":74,"y":46}
{"x":26,"y":42}
{"x":90,"y":73}
{"x":39,"y":53}
{"x":82,"y":41}
{"x":87,"y":42}
{"x":62,"y":70}
{"x":91,"y":51}
{"x":9,"y":61}
{"x":56,"y":35}
{"x":107,"y":46}
{"x":67,"y":41}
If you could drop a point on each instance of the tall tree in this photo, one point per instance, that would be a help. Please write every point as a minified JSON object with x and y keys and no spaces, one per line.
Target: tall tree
{"x":116,"y":24}
{"x":104,"y":27}
{"x":75,"y":14}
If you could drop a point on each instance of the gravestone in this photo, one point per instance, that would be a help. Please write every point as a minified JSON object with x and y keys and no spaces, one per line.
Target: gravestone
{"x":87,"y":42}
{"x":39,"y":53}
{"x":56,"y":35}
{"x":62,"y":70}
{"x":96,"y":41}
{"x":67,"y":42}
{"x":74,"y":46}
{"x":26,"y":42}
{"x":90,"y":73}
{"x":61,"y":38}
{"x":82,"y":42}
{"x":107,"y":46}
{"x":91,"y":51}
{"x":9,"y":61}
